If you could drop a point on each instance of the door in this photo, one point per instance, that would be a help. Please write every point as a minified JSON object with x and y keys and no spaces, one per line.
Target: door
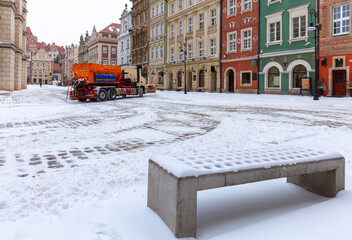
{"x":339,"y":88}
{"x":213,"y":82}
{"x":231,"y":78}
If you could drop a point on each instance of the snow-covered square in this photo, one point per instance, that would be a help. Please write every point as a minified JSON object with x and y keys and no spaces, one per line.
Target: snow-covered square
{"x":79,"y":170}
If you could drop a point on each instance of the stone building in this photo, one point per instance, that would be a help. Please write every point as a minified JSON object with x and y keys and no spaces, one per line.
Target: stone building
{"x":42,"y":67}
{"x":140,"y":31}
{"x":336,"y":47}
{"x":13,"y":59}
{"x":124,"y":40}
{"x":240,"y":40}
{"x":193,"y":26}
{"x":286,"y":46}
{"x":83,"y":49}
{"x":71,"y":57}
{"x":102,"y":46}
{"x":157,"y":41}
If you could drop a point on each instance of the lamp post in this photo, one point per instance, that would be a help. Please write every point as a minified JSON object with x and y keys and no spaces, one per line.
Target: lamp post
{"x":316,"y":28}
{"x":184,"y":51}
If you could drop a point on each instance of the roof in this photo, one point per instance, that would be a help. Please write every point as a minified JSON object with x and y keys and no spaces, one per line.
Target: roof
{"x":29,"y":31}
{"x":112,"y":28}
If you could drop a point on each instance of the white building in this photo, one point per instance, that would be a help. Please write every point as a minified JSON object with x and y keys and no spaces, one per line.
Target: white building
{"x":124,"y":41}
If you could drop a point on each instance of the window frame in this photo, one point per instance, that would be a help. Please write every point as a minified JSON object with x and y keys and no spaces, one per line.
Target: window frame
{"x":201,"y":21}
{"x":250,"y":78}
{"x":234,"y":42}
{"x":212,"y":47}
{"x":243,"y":39}
{"x":201,"y":49}
{"x":341,"y":19}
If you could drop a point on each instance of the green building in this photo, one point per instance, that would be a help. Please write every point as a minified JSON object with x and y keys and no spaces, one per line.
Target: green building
{"x":287,"y":49}
{"x":157,"y":42}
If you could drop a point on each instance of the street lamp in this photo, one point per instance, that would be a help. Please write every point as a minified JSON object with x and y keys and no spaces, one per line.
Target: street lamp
{"x":183,"y":45}
{"x":316,"y":28}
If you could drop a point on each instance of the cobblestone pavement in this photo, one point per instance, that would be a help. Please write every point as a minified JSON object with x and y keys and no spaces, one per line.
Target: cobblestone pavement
{"x":172,"y":123}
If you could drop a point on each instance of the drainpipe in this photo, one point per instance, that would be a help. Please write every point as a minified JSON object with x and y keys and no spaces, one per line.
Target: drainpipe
{"x":220,"y":52}
{"x":258,"y":63}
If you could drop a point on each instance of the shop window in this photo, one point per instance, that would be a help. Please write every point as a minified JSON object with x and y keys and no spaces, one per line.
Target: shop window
{"x":246,"y":78}
{"x":274,"y":78}
{"x":298,"y":72}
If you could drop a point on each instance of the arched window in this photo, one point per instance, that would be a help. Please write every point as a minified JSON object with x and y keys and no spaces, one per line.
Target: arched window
{"x":201,"y":78}
{"x":179,"y":79}
{"x":274,"y":78}
{"x":298,"y":72}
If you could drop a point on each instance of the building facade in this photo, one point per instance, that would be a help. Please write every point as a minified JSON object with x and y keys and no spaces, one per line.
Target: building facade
{"x":71,"y":57}
{"x":83,"y":49}
{"x":286,"y":47}
{"x":157,"y":41}
{"x":194,"y":28}
{"x":240,"y":40}
{"x":42,"y":67}
{"x":102,"y":46}
{"x":336,"y":48}
{"x":13,"y":58}
{"x":124,"y":40}
{"x":140,"y":36}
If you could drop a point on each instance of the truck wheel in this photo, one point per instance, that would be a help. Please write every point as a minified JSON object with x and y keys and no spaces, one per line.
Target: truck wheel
{"x":102,"y":95}
{"x":141,"y":91}
{"x":112,"y":94}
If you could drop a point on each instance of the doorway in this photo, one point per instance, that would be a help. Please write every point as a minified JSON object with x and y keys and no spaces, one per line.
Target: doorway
{"x":339,"y":83}
{"x":213,"y":82}
{"x":189,"y":81}
{"x":231,"y":80}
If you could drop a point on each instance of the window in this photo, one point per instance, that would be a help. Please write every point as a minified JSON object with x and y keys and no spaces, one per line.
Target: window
{"x":113,"y":50}
{"x":162,"y":28}
{"x":201,"y":49}
{"x":162,"y":7}
{"x":232,"y":7}
{"x":213,"y":17}
{"x":46,"y":72}
{"x":172,"y":54}
{"x":152,"y":32}
{"x":275,"y":32}
{"x":190,"y":49}
{"x":190,"y":25}
{"x":247,"y":4}
{"x":190,"y":2}
{"x":231,"y":42}
{"x":299,"y":27}
{"x":105,"y":62}
{"x":35,"y":71}
{"x":179,"y":79}
{"x":46,"y":64}
{"x":274,"y":78}
{"x":181,"y":5}
{"x":153,"y":12}
{"x":157,"y":30}
{"x":113,"y":62}
{"x":341,"y":22}
{"x":180,"y":28}
{"x":212,"y":47}
{"x":172,"y":8}
{"x":105,"y":50}
{"x":201,"y":21}
{"x":180,"y":53}
{"x":298,"y":72}
{"x":247,"y":39}
{"x":121,"y":60}
{"x":161,"y":51}
{"x":157,"y":10}
{"x":34,"y":80}
{"x":201,"y":79}
{"x":152,"y":54}
{"x":157,"y":52}
{"x":40,"y":72}
{"x":128,"y":43}
{"x":246,"y":78}
{"x":173,"y":30}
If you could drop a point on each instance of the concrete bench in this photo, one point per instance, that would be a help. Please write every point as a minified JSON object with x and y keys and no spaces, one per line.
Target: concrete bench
{"x":173,"y":181}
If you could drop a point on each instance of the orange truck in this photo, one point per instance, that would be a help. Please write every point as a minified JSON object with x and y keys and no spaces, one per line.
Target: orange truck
{"x":104,"y":82}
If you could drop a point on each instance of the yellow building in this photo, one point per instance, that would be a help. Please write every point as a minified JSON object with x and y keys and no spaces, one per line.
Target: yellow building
{"x":42,"y":68}
{"x":193,"y":26}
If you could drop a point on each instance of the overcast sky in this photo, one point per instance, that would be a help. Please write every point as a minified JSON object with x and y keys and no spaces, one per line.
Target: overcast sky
{"x":64,"y":21}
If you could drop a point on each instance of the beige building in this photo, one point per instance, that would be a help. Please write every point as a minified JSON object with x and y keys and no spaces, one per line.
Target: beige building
{"x":102,"y":46}
{"x":13,"y":60}
{"x":42,"y":67}
{"x":193,"y":26}
{"x":71,"y":57}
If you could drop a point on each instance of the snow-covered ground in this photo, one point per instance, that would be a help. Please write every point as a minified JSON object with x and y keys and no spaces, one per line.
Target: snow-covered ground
{"x":72,"y":170}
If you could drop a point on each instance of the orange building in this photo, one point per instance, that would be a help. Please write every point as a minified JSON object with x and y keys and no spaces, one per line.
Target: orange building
{"x":239,"y":58}
{"x":336,"y":48}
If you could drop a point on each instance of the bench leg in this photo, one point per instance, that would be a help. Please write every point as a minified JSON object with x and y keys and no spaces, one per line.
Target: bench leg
{"x":326,"y":184}
{"x":174,"y":200}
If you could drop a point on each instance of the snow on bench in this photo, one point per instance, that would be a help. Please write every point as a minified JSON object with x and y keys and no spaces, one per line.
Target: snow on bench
{"x":173,"y":181}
